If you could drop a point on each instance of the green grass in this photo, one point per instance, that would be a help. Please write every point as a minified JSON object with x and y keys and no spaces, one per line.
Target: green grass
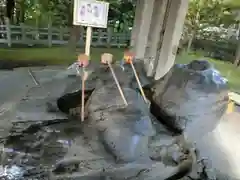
{"x":56,"y":55}
{"x":63,"y":55}
{"x":228,"y":70}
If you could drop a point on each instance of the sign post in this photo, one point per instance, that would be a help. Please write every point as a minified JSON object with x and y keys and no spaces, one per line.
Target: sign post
{"x":89,"y":13}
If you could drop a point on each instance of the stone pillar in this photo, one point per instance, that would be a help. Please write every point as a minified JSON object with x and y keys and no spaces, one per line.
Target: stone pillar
{"x":137,"y":21}
{"x":172,"y":35}
{"x":155,"y":35}
{"x":142,"y":25}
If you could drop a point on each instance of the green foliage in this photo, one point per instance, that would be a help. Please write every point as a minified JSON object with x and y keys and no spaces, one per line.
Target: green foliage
{"x":233,"y":4}
{"x":60,"y":12}
{"x":205,"y":13}
{"x":203,"y":16}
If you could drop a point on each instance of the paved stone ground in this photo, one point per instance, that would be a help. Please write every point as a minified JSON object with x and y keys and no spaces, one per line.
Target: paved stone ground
{"x":14,"y":85}
{"x":221,"y":147}
{"x":237,"y":108}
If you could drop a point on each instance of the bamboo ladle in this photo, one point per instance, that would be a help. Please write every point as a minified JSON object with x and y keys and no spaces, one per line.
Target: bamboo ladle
{"x":107,"y":58}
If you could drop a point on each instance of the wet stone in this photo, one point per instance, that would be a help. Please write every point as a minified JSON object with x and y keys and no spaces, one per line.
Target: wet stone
{"x":114,"y":142}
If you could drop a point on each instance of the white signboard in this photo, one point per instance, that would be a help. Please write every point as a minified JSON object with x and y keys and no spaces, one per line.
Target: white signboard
{"x":90,"y":13}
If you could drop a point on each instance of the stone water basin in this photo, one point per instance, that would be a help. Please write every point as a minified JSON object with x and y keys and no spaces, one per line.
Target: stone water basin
{"x":43,"y":143}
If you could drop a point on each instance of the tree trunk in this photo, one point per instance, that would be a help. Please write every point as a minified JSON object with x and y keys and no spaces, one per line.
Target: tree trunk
{"x":10,"y":4}
{"x":70,"y":14}
{"x":237,"y":59}
{"x":194,"y":31}
{"x":18,"y":13}
{"x":190,"y":41}
{"x":37,"y":28}
{"x":2,"y":22}
{"x":22,"y":12}
{"x":75,"y":32}
{"x":49,"y":31}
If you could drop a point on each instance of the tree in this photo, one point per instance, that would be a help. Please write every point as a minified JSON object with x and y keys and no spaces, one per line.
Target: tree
{"x":20,"y":8}
{"x":2,"y":12}
{"x":60,"y":13}
{"x":234,"y":6}
{"x":122,"y":12}
{"x":10,"y":5}
{"x":205,"y":13}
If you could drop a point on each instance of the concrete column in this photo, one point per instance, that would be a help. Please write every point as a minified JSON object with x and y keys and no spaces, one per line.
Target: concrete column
{"x":137,"y":21}
{"x":174,"y":26}
{"x":142,"y":26}
{"x":155,"y":35}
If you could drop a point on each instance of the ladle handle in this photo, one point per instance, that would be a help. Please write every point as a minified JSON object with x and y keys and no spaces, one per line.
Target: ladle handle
{"x":83,"y":94}
{"x":138,"y":81}
{"x":117,"y":83}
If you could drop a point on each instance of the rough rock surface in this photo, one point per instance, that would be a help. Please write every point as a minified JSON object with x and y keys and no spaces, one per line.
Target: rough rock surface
{"x":125,"y":130}
{"x":115,"y":142}
{"x":192,"y":99}
{"x":192,"y":96}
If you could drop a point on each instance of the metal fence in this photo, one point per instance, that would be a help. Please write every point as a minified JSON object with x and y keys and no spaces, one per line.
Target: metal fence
{"x":23,"y":34}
